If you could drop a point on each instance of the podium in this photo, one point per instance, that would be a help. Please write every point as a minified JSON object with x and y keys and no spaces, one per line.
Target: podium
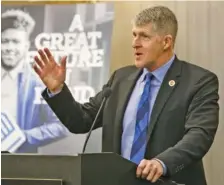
{"x":83,"y":169}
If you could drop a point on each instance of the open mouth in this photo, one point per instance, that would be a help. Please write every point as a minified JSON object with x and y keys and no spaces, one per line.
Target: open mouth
{"x":138,"y":54}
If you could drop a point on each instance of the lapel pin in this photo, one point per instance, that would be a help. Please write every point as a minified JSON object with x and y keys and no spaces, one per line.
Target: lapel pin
{"x":171,"y":83}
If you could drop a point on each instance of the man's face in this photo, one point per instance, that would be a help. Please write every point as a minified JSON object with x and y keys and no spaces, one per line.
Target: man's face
{"x":14,"y":47}
{"x":147,"y":46}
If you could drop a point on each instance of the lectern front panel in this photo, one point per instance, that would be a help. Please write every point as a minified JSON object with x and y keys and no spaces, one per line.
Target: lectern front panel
{"x":32,"y":166}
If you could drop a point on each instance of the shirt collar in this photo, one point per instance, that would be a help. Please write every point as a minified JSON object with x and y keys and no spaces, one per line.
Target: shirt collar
{"x":14,"y":72}
{"x":160,"y":72}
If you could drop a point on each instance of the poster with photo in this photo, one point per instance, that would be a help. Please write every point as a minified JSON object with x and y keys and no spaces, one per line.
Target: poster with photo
{"x":83,"y":33}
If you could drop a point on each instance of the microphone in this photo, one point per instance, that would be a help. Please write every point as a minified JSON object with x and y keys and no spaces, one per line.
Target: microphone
{"x":106,"y":93}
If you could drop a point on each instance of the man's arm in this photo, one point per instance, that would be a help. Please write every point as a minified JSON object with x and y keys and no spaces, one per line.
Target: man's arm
{"x":46,"y":133}
{"x":200,"y":127}
{"x":77,"y":117}
{"x":45,"y":127}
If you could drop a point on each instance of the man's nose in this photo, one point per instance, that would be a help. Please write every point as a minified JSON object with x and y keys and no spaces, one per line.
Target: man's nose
{"x":10,"y":46}
{"x":136,"y":43}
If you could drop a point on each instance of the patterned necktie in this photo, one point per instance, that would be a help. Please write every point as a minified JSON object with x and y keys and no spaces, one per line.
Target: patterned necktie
{"x":141,"y":127}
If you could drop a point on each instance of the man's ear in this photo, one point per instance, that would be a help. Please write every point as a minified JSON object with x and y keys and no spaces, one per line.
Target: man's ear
{"x":167,"y":42}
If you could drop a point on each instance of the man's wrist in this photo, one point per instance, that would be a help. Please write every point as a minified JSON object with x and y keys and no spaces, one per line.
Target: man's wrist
{"x":164,"y":166}
{"x":56,"y":90}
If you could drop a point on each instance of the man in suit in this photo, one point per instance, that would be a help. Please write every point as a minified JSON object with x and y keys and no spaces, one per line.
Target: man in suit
{"x":162,"y":113}
{"x":35,"y":119}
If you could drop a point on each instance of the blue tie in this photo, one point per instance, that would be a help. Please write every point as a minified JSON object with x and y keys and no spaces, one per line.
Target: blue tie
{"x":142,"y":119}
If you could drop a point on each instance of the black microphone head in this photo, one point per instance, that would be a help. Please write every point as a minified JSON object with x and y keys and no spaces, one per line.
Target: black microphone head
{"x":107,"y":92}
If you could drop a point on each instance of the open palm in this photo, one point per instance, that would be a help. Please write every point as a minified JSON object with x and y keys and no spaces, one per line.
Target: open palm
{"x":51,"y":73}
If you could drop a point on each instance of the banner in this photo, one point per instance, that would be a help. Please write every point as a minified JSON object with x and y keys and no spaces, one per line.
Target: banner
{"x":83,"y":33}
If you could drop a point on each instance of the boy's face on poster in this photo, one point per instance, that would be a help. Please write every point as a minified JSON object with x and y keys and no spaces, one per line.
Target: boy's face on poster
{"x":14,"y":47}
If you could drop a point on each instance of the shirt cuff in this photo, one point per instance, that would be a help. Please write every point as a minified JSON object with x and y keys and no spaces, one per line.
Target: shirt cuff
{"x":164,"y":166}
{"x":50,"y":94}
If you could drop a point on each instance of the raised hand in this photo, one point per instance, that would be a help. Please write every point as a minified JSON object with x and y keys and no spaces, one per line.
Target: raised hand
{"x":52,"y":74}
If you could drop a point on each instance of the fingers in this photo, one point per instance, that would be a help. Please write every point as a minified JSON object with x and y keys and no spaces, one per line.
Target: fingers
{"x":46,"y":56}
{"x":43,"y":57}
{"x":46,"y":59}
{"x":63,"y":62}
{"x":36,"y":69}
{"x":38,"y":65}
{"x":39,"y":62}
{"x":141,"y":167}
{"x":157,"y":175}
{"x":150,"y":170}
{"x":49,"y":55}
{"x":46,"y":63}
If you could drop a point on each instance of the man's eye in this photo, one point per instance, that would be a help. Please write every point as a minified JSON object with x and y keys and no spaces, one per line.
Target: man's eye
{"x":145,"y":36}
{"x":15,"y":41}
{"x":4,"y":41}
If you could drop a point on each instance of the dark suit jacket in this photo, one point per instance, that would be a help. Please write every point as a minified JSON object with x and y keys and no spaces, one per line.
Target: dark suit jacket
{"x":183,"y":123}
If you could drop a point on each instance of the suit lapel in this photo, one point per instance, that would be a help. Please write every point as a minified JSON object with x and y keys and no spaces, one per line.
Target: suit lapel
{"x":170,"y":82}
{"x":20,"y":98}
{"x":26,"y":97}
{"x":125,"y":89}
